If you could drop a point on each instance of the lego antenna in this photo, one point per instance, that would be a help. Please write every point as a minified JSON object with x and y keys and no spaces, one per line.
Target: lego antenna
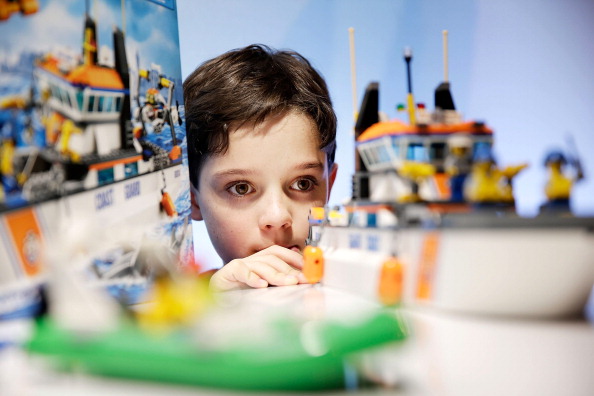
{"x":410,"y":101}
{"x":123,"y":5}
{"x":445,"y":56}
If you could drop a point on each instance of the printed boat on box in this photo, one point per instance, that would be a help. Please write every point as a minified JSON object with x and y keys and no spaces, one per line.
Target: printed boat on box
{"x":80,"y":144}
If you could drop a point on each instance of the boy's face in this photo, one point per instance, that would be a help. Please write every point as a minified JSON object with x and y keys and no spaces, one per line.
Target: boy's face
{"x":260,"y":191}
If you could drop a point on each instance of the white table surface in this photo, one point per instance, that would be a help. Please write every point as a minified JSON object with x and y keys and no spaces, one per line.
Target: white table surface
{"x":446,"y":354}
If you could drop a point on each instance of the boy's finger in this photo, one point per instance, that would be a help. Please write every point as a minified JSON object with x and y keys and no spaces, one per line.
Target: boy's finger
{"x":274,"y":277}
{"x":278,"y":264}
{"x":274,"y":265}
{"x":289,"y":256}
{"x":253,"y":280}
{"x":234,"y":275}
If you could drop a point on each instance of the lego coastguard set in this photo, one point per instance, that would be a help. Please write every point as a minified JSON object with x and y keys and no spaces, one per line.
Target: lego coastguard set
{"x":432,"y":220}
{"x":92,"y":145}
{"x":414,"y":233}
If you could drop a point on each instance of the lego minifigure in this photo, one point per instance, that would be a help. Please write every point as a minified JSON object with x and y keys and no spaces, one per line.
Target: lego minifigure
{"x":458,"y":164}
{"x":487,"y":184}
{"x":560,"y":183}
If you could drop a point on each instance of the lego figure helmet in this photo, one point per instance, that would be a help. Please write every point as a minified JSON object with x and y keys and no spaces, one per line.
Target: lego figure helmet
{"x":555,"y":156}
{"x":461,"y":141}
{"x":484,"y":154}
{"x":460,"y":145}
{"x":151,"y":95}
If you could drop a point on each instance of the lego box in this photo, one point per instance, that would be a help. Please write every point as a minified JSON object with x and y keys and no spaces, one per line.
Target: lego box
{"x":93,"y":161}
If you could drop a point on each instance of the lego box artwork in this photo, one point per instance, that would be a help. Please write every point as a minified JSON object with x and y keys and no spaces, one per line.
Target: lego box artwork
{"x":93,"y":161}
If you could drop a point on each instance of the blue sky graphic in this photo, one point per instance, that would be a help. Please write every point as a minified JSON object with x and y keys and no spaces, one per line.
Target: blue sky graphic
{"x":151,"y":31}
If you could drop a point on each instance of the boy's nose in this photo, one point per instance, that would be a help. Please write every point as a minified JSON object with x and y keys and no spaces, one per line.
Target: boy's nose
{"x":275,"y":212}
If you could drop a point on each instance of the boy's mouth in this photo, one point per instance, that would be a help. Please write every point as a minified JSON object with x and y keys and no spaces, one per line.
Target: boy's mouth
{"x":294,"y":248}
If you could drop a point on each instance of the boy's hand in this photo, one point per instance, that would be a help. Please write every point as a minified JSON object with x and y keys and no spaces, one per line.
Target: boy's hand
{"x":274,"y":265}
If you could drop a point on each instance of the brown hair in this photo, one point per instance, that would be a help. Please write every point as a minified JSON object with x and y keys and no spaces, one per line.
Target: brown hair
{"x":248,"y":85}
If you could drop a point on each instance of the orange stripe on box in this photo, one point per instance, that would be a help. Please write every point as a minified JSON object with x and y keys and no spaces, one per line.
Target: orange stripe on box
{"x":111,"y":164}
{"x":26,"y":238}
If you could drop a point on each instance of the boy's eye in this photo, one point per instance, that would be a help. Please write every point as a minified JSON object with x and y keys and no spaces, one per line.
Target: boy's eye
{"x":240,"y":189}
{"x":303,"y":185}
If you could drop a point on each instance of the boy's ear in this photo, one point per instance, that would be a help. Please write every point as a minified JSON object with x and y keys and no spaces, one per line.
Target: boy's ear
{"x":331,"y":178}
{"x":196,"y":214}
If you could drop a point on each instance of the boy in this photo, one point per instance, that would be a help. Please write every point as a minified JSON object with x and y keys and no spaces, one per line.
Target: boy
{"x":261,"y":141}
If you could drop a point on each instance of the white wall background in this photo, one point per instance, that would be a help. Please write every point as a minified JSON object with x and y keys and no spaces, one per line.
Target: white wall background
{"x":525,"y":67}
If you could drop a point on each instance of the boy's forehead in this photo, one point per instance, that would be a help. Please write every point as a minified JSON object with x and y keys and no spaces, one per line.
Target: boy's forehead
{"x":279,"y":130}
{"x":288,"y":143}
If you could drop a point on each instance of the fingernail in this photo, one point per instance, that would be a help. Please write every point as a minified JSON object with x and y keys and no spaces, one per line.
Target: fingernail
{"x":291,"y":280}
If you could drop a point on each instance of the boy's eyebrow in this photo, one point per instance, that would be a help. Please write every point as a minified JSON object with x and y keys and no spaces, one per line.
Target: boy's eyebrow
{"x":310,"y":165}
{"x":248,"y":172}
{"x":233,"y":172}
